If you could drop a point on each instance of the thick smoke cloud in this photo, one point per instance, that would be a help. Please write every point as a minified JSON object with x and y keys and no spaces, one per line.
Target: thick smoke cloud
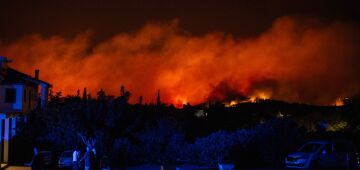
{"x":297,"y":60}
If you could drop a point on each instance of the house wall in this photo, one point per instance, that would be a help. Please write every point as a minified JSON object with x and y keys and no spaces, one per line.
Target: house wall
{"x":20,"y":105}
{"x":6,"y":139}
{"x":31,"y":100}
{"x":7,"y":132}
{"x":2,"y":128}
{"x":44,"y":93}
{"x":11,"y":107}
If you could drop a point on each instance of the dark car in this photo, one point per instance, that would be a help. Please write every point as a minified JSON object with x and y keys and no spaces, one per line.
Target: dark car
{"x":46,"y":159}
{"x":66,"y":159}
{"x":324,"y":155}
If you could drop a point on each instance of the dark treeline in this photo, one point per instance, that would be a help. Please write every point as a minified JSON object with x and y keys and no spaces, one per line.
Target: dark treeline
{"x":248,"y":134}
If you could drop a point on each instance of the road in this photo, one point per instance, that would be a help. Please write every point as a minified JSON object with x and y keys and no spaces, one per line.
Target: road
{"x":18,"y":168}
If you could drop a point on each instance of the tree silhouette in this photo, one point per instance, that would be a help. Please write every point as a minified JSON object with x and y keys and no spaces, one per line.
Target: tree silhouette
{"x":140,"y":100}
{"x":84,"y":98}
{"x":158,"y":100}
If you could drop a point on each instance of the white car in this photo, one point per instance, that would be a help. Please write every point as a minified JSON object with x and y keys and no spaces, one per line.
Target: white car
{"x":324,"y":155}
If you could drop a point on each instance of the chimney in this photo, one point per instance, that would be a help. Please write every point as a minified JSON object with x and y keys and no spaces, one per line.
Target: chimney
{"x":37,"y":72}
{"x":3,"y":67}
{"x":4,"y":61}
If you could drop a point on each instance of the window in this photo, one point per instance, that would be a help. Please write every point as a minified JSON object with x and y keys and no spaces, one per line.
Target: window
{"x":327,"y":149}
{"x":29,"y":94}
{"x":10,"y":95}
{"x":310,"y":147}
{"x":24,"y":97}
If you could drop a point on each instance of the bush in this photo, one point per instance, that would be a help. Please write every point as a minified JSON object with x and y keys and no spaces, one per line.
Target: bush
{"x":266,"y":143}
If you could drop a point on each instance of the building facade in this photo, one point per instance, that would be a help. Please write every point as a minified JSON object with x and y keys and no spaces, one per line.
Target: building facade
{"x":19,"y":94}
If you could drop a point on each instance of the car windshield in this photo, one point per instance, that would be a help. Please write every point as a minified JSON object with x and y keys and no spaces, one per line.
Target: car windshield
{"x":66,"y":154}
{"x":310,"y":147}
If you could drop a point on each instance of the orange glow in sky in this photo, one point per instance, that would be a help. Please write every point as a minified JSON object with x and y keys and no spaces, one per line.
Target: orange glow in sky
{"x":297,"y":60}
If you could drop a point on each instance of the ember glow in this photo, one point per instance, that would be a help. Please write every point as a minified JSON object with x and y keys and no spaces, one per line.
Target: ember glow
{"x":339,"y":102}
{"x":253,"y":98}
{"x":259,"y":96}
{"x":296,"y":60}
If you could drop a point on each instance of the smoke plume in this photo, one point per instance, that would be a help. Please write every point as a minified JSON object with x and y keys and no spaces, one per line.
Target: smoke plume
{"x":297,"y":60}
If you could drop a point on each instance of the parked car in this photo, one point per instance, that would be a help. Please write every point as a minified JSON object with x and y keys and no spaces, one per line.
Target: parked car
{"x":66,"y":159}
{"x":324,"y":155}
{"x":46,"y":159}
{"x":226,"y":166}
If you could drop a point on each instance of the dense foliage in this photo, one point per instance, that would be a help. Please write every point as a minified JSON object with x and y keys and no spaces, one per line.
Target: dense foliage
{"x":250,"y":134}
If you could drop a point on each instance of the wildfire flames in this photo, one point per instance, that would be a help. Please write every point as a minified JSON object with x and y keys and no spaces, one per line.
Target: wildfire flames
{"x":339,"y":102}
{"x":259,"y":96}
{"x":297,"y":60}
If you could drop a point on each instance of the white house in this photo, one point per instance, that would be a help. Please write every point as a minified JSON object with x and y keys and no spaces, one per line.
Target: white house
{"x":19,"y":94}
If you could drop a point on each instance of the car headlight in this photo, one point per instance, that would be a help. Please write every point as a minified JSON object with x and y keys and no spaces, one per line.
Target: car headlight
{"x":302,"y":160}
{"x":298,"y":160}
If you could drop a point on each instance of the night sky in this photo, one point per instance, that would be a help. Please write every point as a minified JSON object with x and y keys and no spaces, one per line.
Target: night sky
{"x":238,"y":17}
